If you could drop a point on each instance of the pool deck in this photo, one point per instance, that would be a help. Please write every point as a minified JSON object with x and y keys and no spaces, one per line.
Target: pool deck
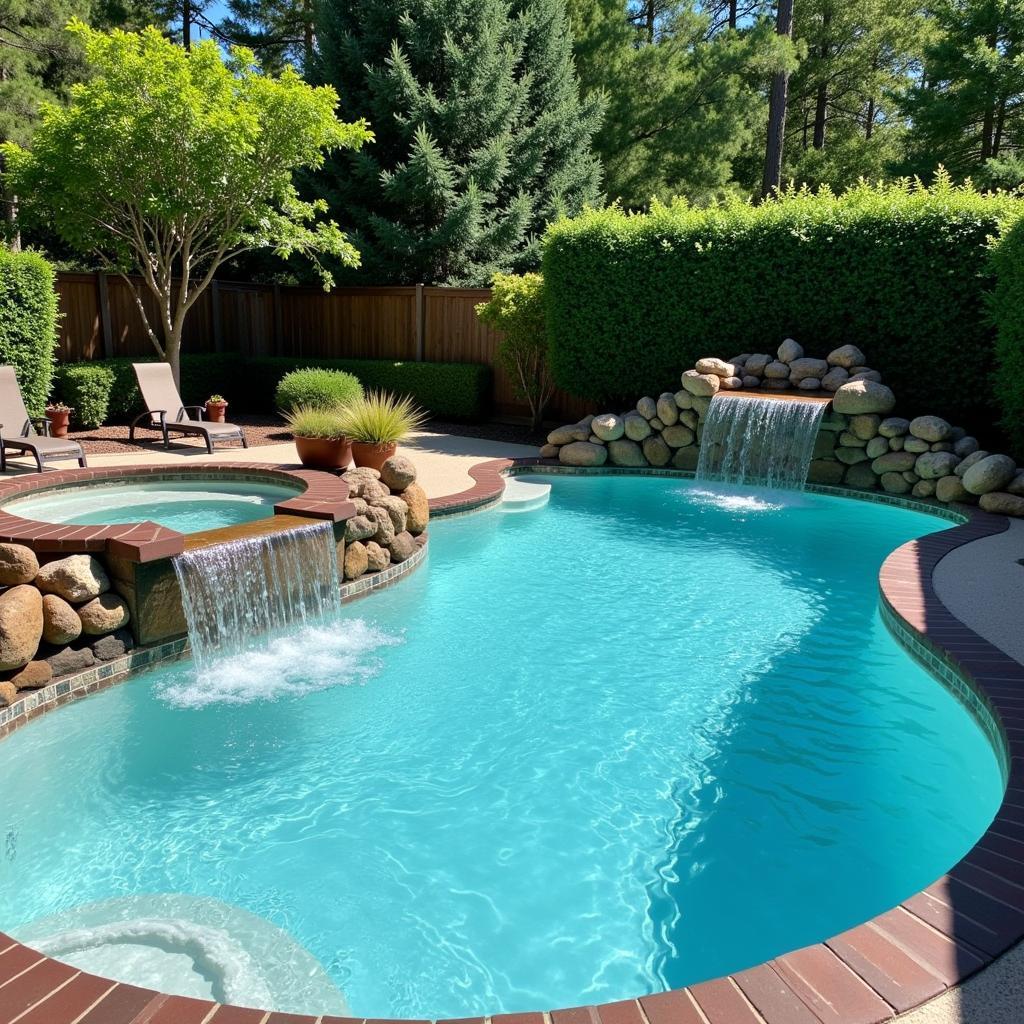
{"x":954,"y":598}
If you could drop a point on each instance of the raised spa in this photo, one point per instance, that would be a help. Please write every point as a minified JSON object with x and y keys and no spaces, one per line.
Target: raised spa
{"x":187,"y":506}
{"x":638,"y":737}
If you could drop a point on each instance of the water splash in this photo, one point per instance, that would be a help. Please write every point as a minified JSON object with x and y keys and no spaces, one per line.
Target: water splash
{"x":764,"y":441}
{"x":256,"y":587}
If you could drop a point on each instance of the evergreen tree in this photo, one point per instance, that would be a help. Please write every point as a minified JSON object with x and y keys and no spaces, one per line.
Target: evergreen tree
{"x":279,"y":31}
{"x":481,"y":137}
{"x":968,"y":107}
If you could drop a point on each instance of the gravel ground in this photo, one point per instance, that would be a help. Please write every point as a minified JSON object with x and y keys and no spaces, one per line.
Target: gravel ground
{"x":261,"y":430}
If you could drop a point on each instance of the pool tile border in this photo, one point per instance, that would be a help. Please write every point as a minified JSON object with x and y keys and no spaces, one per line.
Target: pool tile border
{"x":320,"y":495}
{"x":869,"y":974}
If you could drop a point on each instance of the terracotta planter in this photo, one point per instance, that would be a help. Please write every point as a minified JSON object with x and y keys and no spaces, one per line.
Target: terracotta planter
{"x":58,"y":421}
{"x":372,"y":455}
{"x":324,"y":453}
{"x":216,"y":411}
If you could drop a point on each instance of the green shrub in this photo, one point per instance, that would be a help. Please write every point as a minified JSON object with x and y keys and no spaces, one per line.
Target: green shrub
{"x":455,"y":390}
{"x":106,"y":391}
{"x":899,"y":270}
{"x":1007,"y":308}
{"x":28,"y":324}
{"x":316,"y":388}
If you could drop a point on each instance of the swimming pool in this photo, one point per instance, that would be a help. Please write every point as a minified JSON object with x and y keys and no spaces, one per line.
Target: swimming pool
{"x":187,"y":506}
{"x":639,"y":737}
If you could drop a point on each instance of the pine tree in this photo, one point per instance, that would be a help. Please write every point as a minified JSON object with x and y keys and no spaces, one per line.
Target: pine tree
{"x":481,"y":137}
{"x":279,"y":31}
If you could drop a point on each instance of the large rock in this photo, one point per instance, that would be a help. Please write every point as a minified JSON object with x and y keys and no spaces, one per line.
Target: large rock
{"x":990,"y":474}
{"x":923,"y":489}
{"x":703,"y":385}
{"x":385,"y":531}
{"x":8,"y":694}
{"x":583,"y":453}
{"x":865,"y":426}
{"x":861,"y":476}
{"x":748,"y":380}
{"x":894,"y":426}
{"x":656,"y":451}
{"x":398,"y":472}
{"x":877,"y":446}
{"x":33,"y":676}
{"x":916,"y":445}
{"x":951,"y":488}
{"x":852,"y":456}
{"x":76,"y":578}
{"x":678,"y":436}
{"x":61,"y":623}
{"x":825,"y":471}
{"x":548,"y":451}
{"x":895,"y":483}
{"x":897,"y":444}
{"x":418,"y":506}
{"x":103,"y":614}
{"x":934,"y":465}
{"x":732,"y":383}
{"x":113,"y":646}
{"x":21,"y":625}
{"x":1002,"y":503}
{"x":777,"y":370}
{"x":789,"y":350}
{"x":668,"y":411}
{"x":396,"y":508}
{"x":930,"y":428}
{"x":377,"y":558}
{"x":647,"y":407}
{"x":846,"y":356}
{"x":807,"y":367}
{"x":18,"y":564}
{"x":684,"y":400}
{"x":971,"y":460}
{"x":834,"y":379}
{"x":402,"y":547}
{"x":356,"y":561}
{"x":872,"y":375}
{"x":965,"y":446}
{"x":863,"y":396}
{"x":625,"y":452}
{"x":849,"y":440}
{"x":755,"y":364}
{"x":686,"y":458}
{"x":809,"y":384}
{"x":824,"y":442}
{"x":356,"y":528}
{"x":608,"y":426}
{"x":894,"y":462}
{"x":636,"y":427}
{"x":719,"y":367}
{"x":569,"y":433}
{"x":71,"y":659}
{"x":1016,"y":485}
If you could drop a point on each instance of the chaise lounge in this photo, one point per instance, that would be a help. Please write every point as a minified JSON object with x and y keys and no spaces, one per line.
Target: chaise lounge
{"x":19,"y":431}
{"x":166,"y":412}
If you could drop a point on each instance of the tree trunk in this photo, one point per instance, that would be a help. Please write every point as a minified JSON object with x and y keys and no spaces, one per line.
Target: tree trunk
{"x":997,"y":138}
{"x":871,"y":118}
{"x":650,"y":21}
{"x":9,"y":202}
{"x":172,"y":349}
{"x":307,"y":33}
{"x":777,"y":109}
{"x":989,"y":119}
{"x":732,"y":13}
{"x":186,"y":24}
{"x":820,"y":108}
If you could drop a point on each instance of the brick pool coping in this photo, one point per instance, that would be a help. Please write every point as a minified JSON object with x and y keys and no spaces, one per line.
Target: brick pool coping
{"x":320,"y":495}
{"x":887,"y":966}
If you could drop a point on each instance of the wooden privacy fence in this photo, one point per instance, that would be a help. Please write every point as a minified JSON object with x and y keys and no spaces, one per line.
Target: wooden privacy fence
{"x":414,"y":323}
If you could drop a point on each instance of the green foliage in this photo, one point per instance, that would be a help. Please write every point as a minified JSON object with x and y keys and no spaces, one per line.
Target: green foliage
{"x":168,"y":163}
{"x":381,"y":418}
{"x":28,"y":324}
{"x":1007,"y":308}
{"x":481,"y":137}
{"x":280,"y":31}
{"x":317,"y":389}
{"x":899,"y":270}
{"x":107,"y":392}
{"x":316,"y":421}
{"x":457,"y":390}
{"x":516,"y":308}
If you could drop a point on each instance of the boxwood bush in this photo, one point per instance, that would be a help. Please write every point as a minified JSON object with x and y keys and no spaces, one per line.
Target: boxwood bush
{"x":28,"y":325}
{"x":317,"y":388}
{"x":899,"y":270}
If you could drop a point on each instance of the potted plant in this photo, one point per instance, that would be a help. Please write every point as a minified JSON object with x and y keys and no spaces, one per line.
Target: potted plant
{"x":59,"y":415}
{"x":216,"y":408}
{"x":376,"y":423}
{"x":319,"y":437}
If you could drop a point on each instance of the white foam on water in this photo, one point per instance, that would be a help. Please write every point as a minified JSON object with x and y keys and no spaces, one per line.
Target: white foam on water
{"x":313,"y":658}
{"x":732,"y":501}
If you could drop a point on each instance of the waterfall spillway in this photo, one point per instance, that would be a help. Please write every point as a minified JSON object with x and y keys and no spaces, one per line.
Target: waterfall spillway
{"x":763,"y":441}
{"x":234,"y":593}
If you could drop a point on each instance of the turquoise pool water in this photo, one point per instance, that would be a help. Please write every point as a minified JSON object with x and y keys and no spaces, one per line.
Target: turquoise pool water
{"x":639,"y":737}
{"x":186,"y":506}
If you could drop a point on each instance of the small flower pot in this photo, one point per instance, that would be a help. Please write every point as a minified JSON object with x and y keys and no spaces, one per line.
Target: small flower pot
{"x":324,"y":453}
{"x":372,"y":455}
{"x":216,"y":411}
{"x":59,"y":419}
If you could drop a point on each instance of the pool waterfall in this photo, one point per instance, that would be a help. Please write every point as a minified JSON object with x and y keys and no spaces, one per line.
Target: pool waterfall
{"x":757,"y":440}
{"x":257,"y":586}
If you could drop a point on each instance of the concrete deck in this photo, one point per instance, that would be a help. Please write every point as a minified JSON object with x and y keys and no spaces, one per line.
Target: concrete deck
{"x":442,"y":461}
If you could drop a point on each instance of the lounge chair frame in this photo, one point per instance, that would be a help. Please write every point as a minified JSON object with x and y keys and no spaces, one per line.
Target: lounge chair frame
{"x":31,"y":430}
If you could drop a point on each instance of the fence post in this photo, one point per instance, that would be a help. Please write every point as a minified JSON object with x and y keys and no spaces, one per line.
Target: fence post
{"x":278,"y":322}
{"x":104,"y":309}
{"x":419,"y":323}
{"x":218,"y":338}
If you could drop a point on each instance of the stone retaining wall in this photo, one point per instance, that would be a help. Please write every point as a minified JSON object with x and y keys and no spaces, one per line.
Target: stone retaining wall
{"x":860,"y":444}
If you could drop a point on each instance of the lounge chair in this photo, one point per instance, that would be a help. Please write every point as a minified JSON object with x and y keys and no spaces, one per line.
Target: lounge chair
{"x":165,"y":411}
{"x":18,"y":430}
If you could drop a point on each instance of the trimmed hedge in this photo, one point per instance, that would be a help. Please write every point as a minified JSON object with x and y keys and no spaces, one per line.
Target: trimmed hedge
{"x":28,"y":325}
{"x":316,"y":388}
{"x":106,"y":392}
{"x":1007,"y":308}
{"x":899,"y":270}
